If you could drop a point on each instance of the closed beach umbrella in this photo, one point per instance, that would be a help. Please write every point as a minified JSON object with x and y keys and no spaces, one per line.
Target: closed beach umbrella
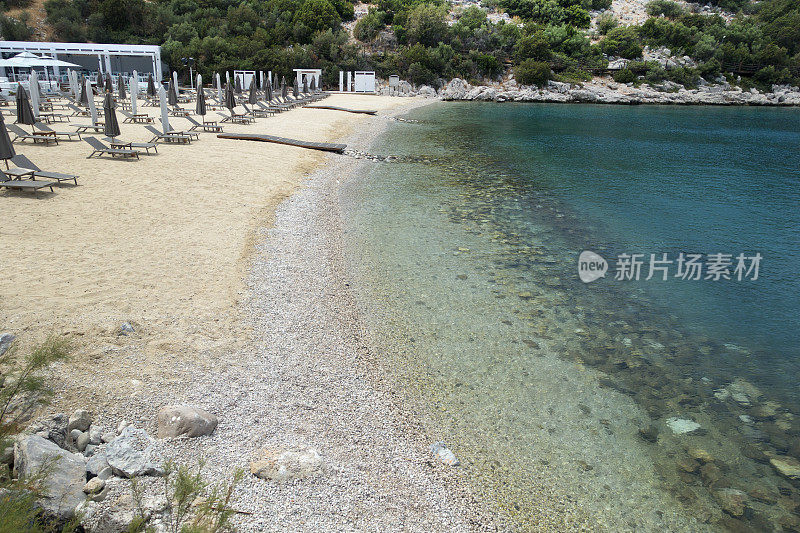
{"x":269,"y":92}
{"x":24,"y":111}
{"x":200,"y":105}
{"x":151,"y":86}
{"x":219,"y":88}
{"x":6,"y":148}
{"x":172,"y":96}
{"x":111,"y":126}
{"x":230,"y":99}
{"x":134,"y":90}
{"x":252,"y":97}
{"x":100,"y":81}
{"x":85,"y":90}
{"x":305,"y":85}
{"x":295,"y":91}
{"x":92,"y":108}
{"x":121,"y":88}
{"x":175,"y":80}
{"x":109,"y":83}
{"x":33,"y":82}
{"x":162,"y":97}
{"x":134,"y":87}
{"x":237,"y":85}
{"x":313,"y":84}
{"x":284,"y":89}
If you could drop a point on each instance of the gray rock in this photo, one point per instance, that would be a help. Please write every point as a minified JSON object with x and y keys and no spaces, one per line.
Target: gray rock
{"x":177,"y":420}
{"x":126,"y":329}
{"x":444,"y":454}
{"x":108,"y":436}
{"x":7,"y":456}
{"x":94,"y":485}
{"x":53,"y":428}
{"x":284,"y":465}
{"x":133,"y":453}
{"x":82,"y":441}
{"x":89,"y":450}
{"x":106,"y":473}
{"x":5,"y":342}
{"x":95,"y":436}
{"x":65,"y":474}
{"x":96,"y":464}
{"x":80,"y":419}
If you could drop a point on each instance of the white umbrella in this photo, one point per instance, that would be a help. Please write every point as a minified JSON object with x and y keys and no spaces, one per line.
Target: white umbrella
{"x":219,"y":88}
{"x":33,"y":84}
{"x":92,"y":108}
{"x":134,"y":90}
{"x":175,"y":80}
{"x":162,"y":98}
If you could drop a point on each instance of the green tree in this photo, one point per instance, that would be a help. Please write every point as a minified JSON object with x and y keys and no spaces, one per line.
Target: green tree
{"x":532,"y":72}
{"x":427,"y":25}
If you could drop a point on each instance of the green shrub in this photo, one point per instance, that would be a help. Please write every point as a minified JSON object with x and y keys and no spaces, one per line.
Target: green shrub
{"x":668,"y":8}
{"x":624,"y":75}
{"x":532,"y":47}
{"x":532,"y":72}
{"x":368,"y":26}
{"x":599,"y":5}
{"x":12,"y":29}
{"x":622,"y":42}
{"x":711,"y":69}
{"x":606,"y":22}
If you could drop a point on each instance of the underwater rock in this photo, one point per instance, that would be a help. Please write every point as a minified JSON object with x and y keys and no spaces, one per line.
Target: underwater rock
{"x":732,"y":501}
{"x":699,"y":454}
{"x":682,"y":426}
{"x":650,"y":433}
{"x":786,"y":466}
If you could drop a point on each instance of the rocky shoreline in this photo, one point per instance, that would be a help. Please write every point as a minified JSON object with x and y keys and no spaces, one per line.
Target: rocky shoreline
{"x":302,"y":410}
{"x":606,"y":91}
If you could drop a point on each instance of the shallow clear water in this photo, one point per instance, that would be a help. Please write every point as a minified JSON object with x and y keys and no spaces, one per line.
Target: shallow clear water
{"x":468,"y":247}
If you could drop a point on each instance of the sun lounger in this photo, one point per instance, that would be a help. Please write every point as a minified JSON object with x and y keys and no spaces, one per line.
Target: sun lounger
{"x":273,"y":108}
{"x":24,"y":185}
{"x":26,"y":167}
{"x":97,"y":128}
{"x":36,"y":137}
{"x":259,"y":113}
{"x":236,"y":119}
{"x":77,"y":111}
{"x":205,"y":126}
{"x":116,"y":143}
{"x":168,"y":137}
{"x":101,"y":149}
{"x":59,"y":134}
{"x":138,"y":118}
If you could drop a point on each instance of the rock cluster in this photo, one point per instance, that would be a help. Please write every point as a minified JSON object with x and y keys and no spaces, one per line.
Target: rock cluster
{"x":76,"y":459}
{"x":606,"y":92}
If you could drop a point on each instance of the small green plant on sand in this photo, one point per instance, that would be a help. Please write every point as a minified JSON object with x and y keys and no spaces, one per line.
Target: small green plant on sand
{"x":193,"y":505}
{"x":23,"y":388}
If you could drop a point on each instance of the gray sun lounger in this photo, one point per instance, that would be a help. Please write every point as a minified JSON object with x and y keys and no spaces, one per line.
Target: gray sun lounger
{"x":25,"y":166}
{"x":168,"y":137}
{"x":133,"y":145}
{"x":101,"y":149}
{"x":236,"y":119}
{"x":24,"y":185}
{"x":62,"y":134}
{"x":23,"y":135}
{"x":205,"y":126}
{"x":258,"y":113}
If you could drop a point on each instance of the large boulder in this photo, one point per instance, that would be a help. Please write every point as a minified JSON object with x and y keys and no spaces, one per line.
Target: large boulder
{"x":285,"y":465}
{"x":177,"y":420}
{"x":133,"y":453}
{"x":64,"y":474}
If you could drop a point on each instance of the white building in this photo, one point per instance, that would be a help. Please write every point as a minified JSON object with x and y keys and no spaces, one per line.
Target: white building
{"x":111,"y":58}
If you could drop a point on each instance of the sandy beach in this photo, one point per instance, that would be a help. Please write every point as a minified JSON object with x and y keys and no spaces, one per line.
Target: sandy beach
{"x":162,"y":243}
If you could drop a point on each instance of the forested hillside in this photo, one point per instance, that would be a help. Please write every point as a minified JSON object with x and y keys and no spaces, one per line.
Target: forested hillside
{"x":428,"y":41}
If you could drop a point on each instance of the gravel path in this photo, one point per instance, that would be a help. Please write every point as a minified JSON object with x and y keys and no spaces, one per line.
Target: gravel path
{"x":307,"y":379}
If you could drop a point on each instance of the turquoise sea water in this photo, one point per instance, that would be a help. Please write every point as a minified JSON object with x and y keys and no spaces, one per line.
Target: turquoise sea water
{"x":469,"y":243}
